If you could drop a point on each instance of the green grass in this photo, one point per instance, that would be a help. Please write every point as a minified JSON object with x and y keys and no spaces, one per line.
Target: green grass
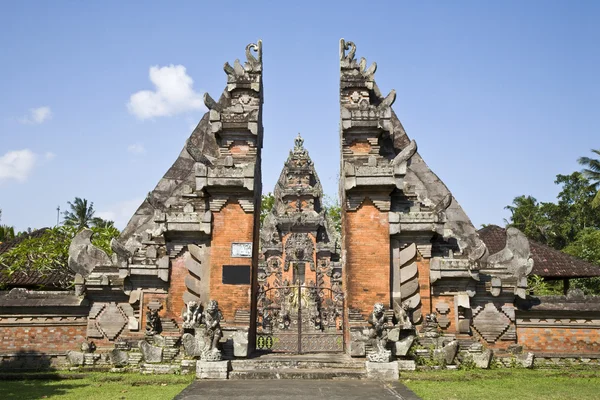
{"x":501,"y":384}
{"x":95,"y":385}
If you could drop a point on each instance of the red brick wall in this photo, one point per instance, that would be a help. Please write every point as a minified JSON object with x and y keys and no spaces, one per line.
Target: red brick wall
{"x":424,"y":285}
{"x":231,"y":224}
{"x":175,"y":302}
{"x":559,"y":340}
{"x":45,"y":339}
{"x":367,"y":243}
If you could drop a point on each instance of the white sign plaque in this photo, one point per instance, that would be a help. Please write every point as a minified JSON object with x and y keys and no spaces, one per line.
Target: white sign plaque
{"x":241,"y":249}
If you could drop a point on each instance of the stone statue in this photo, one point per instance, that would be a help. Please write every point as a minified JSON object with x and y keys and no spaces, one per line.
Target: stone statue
{"x":153,"y":325}
{"x":212,"y":319}
{"x":378,"y":334}
{"x":192,"y":316}
{"x":400,"y":312}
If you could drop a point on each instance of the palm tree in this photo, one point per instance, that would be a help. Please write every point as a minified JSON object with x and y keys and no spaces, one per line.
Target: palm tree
{"x":81,"y":215}
{"x":592,"y":172}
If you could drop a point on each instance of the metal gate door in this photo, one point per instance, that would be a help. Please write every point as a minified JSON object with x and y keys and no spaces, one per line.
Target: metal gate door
{"x":300,"y":319}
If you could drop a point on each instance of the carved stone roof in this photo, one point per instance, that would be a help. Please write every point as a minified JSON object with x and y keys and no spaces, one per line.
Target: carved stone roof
{"x":547,"y":262}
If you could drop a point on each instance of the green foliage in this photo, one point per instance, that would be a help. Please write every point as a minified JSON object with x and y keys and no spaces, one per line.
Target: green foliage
{"x":536,"y":285}
{"x":334,"y":212}
{"x":81,"y":215}
{"x":49,"y":252}
{"x":267,"y":202}
{"x":557,"y":224}
{"x":586,"y":245}
{"x":6,"y":233}
{"x":592,"y":172}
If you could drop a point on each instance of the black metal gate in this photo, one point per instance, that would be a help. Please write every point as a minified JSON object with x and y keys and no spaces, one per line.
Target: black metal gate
{"x":300,"y":319}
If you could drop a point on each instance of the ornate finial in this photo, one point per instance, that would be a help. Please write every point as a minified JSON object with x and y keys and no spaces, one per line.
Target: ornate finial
{"x":254,"y":63}
{"x":347,"y":46}
{"x":298,"y":143}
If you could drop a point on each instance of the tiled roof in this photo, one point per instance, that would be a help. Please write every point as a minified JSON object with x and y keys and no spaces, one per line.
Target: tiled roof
{"x":35,"y":279}
{"x":547,"y":262}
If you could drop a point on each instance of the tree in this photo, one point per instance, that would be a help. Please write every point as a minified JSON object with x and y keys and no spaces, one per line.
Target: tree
{"x":334,"y":212}
{"x":80,"y":215}
{"x":266,"y":205}
{"x":527,"y":216}
{"x":6,"y":232}
{"x":557,"y":224}
{"x":592,"y":172}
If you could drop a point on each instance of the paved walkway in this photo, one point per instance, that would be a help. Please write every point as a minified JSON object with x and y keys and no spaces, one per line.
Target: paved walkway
{"x":289,"y":389}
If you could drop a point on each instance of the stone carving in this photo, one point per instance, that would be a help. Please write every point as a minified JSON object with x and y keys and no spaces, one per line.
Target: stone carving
{"x":401,"y":315}
{"x":430,"y":327}
{"x":151,"y":354}
{"x":378,"y":335}
{"x":512,"y":264}
{"x":212,"y":319}
{"x":490,"y":323}
{"x":84,"y":256}
{"x":112,"y":321}
{"x":192,"y":317}
{"x":153,"y":324}
{"x":406,"y":286}
{"x":447,"y":353}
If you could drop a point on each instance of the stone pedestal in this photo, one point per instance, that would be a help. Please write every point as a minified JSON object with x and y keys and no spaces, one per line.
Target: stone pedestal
{"x":407,"y":365}
{"x":212,"y":369}
{"x":387,"y":371}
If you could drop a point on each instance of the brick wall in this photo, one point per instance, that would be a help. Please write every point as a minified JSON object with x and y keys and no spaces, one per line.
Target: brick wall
{"x":424,"y":285}
{"x":367,"y":244}
{"x":42,"y":338}
{"x":177,"y":287}
{"x":231,"y":224}
{"x":558,"y":340}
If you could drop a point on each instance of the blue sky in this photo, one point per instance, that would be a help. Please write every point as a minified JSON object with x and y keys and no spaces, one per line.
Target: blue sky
{"x":500,"y":96}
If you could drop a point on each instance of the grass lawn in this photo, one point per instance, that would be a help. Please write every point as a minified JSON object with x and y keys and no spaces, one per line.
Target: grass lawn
{"x":95,"y":385}
{"x":500,"y":384}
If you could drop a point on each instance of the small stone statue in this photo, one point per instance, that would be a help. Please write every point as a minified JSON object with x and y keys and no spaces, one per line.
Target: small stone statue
{"x":192,"y":316}
{"x":88,"y":347}
{"x":153,"y":326}
{"x":430,"y":326}
{"x":400,"y":312}
{"x":378,"y":334}
{"x":212,"y":319}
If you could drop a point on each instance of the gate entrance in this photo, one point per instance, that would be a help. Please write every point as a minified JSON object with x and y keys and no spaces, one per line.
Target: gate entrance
{"x":300,"y":319}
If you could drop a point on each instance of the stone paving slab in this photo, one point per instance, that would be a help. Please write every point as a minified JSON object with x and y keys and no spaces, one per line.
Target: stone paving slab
{"x":295,"y":389}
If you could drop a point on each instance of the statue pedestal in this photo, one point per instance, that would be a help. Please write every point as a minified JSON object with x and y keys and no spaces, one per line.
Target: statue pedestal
{"x":212,"y":369}
{"x":386,"y":371}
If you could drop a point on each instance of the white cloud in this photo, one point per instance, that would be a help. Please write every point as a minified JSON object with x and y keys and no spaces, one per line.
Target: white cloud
{"x":17,"y":165}
{"x":173,"y":94}
{"x":49,"y":156}
{"x":136,"y":148}
{"x":37,"y":116}
{"x":120,"y":212}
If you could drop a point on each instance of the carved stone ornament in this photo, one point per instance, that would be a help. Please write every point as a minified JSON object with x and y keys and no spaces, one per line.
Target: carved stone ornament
{"x":153,"y":325}
{"x":378,"y":335}
{"x":212,"y":319}
{"x":192,"y":316}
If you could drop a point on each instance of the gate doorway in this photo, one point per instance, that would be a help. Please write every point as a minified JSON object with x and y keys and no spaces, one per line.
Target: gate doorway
{"x":299,"y":319}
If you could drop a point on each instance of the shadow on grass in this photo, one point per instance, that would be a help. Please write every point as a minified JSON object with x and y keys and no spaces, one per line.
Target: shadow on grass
{"x":30,"y":375}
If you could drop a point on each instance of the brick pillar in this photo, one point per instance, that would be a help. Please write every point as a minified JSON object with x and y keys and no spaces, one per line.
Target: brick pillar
{"x":231,"y":224}
{"x":367,"y":244}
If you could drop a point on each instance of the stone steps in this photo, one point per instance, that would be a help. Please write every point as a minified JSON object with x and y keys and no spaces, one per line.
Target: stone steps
{"x":302,"y":367}
{"x":295,"y":364}
{"x":299,"y":373}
